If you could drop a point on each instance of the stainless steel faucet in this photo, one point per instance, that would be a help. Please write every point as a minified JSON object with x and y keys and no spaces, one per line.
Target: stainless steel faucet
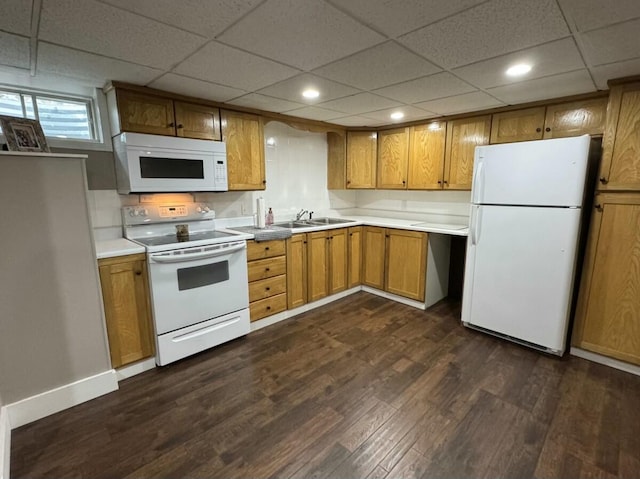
{"x":300,"y":214}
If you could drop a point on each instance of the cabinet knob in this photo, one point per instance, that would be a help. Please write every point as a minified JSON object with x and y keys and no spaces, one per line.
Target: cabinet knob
{"x":404,"y":182}
{"x":266,"y":248}
{"x":547,"y":129}
{"x":266,"y":269}
{"x":446,"y":182}
{"x":172,"y":124}
{"x":268,"y":308}
{"x":604,"y":180}
{"x":264,"y":182}
{"x":348,"y":182}
{"x":268,"y":288}
{"x":138,"y":273}
{"x":598,"y":206}
{"x":180,"y":125}
{"x":538,"y":130}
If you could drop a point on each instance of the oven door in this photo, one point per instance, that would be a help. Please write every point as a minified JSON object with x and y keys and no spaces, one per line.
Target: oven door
{"x":192,"y":285}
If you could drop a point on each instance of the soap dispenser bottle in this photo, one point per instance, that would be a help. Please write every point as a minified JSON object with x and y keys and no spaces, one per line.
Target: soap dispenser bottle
{"x":269,"y":220}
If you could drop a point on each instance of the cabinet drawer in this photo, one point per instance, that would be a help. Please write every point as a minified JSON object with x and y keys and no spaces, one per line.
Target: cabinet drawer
{"x":265,"y":249}
{"x":267,"y":307}
{"x":267,"y":287}
{"x":266,"y":268}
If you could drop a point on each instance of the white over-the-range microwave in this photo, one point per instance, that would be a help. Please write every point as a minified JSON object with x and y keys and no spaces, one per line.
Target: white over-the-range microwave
{"x":166,"y":164}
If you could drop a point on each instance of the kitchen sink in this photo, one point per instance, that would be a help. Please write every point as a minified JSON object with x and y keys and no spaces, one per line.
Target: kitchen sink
{"x":294,"y":224}
{"x":329,"y":221}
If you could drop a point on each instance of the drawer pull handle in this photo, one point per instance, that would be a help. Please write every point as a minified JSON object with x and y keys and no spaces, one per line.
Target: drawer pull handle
{"x":268,"y":289}
{"x":538,"y":130}
{"x":266,"y":248}
{"x":266,"y":269}
{"x":268,"y":308}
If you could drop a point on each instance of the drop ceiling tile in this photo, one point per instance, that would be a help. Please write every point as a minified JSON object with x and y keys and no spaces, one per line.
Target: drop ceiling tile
{"x":16,"y":16}
{"x":315,"y":113}
{"x":87,"y":66}
{"x":395,"y":17}
{"x":302,"y":33}
{"x":549,"y":59}
{"x":591,"y":14}
{"x":266,"y":103}
{"x":614,"y":70}
{"x":379,"y":66}
{"x":410,"y":113}
{"x":14,"y":51}
{"x":488,"y":30}
{"x":229,"y":66}
{"x":109,"y":31}
{"x":461,"y":103}
{"x":612,"y":44}
{"x":360,"y":103}
{"x":207,"y":18}
{"x":292,"y":88}
{"x":426,"y":88}
{"x":196,"y":88}
{"x":555,"y":86}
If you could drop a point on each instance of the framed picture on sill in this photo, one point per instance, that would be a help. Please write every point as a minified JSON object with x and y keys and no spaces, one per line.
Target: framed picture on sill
{"x":23,"y":134}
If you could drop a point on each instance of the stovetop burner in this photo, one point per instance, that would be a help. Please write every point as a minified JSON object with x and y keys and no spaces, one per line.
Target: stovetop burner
{"x":173,"y":238}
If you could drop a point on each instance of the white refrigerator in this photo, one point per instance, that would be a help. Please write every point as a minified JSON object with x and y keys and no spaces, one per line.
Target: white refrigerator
{"x":524,"y":227}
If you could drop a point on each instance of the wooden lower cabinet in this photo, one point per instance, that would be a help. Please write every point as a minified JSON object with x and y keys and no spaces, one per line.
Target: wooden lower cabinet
{"x":395,"y":261}
{"x":327,"y":264}
{"x":406,"y":263}
{"x":296,"y":271}
{"x":125,"y":293}
{"x":267,"y":272}
{"x":608,"y":314}
{"x":354,"y":254}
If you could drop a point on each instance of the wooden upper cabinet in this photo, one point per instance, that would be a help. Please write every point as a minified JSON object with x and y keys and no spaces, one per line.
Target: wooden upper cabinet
{"x":620,"y":167}
{"x":463,"y":136}
{"x":426,"y":156}
{"x":608,"y":313}
{"x":518,"y":125}
{"x":336,"y":161}
{"x":393,"y":157}
{"x":197,"y":121}
{"x":576,"y":118}
{"x":361,"y":159}
{"x":243,"y":135}
{"x":142,"y":113}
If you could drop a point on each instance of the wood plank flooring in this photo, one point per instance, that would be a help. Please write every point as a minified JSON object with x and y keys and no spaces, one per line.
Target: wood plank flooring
{"x":361,"y":388}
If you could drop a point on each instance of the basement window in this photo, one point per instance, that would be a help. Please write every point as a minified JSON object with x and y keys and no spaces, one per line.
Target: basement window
{"x":71,"y":118}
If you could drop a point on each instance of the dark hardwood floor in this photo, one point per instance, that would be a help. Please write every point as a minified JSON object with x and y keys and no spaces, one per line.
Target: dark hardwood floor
{"x":363,"y":387}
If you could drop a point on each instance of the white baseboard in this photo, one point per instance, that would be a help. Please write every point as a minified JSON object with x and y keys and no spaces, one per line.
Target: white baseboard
{"x":612,"y":363}
{"x":394,"y":297}
{"x":290,"y":313}
{"x":136,"y":368}
{"x":49,"y":402}
{"x":5,"y":443}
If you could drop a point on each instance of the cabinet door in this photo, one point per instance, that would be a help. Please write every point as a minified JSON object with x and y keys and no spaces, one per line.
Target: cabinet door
{"x":426,"y":156}
{"x":406,"y":263}
{"x":519,"y":125}
{"x":355,"y":256}
{"x":243,"y":135}
{"x":462,"y":138}
{"x":143,"y":113}
{"x":361,"y":159}
{"x":296,"y":271}
{"x":393,"y":157}
{"x":317,"y":265}
{"x":620,"y":167}
{"x":338,"y":263}
{"x":197,"y":121}
{"x":373,"y":244}
{"x":336,"y":161}
{"x":125,"y":294}
{"x":576,"y":118}
{"x":608,"y":315}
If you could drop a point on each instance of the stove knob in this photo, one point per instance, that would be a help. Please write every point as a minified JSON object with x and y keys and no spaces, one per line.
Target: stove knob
{"x":131,"y":212}
{"x":206,"y":209}
{"x":136,"y":212}
{"x":144,"y":212}
{"x":199,"y":210}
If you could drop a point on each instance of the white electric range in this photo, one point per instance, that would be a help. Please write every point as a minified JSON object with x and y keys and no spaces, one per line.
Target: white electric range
{"x":198,"y":280}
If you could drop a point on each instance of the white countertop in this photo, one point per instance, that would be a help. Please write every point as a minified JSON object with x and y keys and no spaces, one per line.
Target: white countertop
{"x":117,"y":247}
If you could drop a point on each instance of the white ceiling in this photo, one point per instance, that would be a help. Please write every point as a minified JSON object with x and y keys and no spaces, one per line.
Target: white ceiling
{"x":368,"y":58}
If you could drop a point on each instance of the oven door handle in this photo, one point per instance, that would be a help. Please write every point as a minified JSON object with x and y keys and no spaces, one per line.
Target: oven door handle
{"x":183,"y":258}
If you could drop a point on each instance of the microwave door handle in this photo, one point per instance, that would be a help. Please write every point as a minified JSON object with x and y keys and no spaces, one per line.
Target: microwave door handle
{"x":160,"y":258}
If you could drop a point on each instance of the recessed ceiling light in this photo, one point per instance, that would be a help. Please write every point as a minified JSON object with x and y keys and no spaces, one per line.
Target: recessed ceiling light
{"x":310,"y":93}
{"x":397,"y":115}
{"x":519,"y":69}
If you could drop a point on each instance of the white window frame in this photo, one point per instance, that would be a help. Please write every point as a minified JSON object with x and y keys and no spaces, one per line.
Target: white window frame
{"x":98,"y":117}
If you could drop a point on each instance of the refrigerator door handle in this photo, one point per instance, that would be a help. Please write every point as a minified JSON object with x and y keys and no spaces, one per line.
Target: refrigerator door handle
{"x":475,"y":224}
{"x":478,"y":181}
